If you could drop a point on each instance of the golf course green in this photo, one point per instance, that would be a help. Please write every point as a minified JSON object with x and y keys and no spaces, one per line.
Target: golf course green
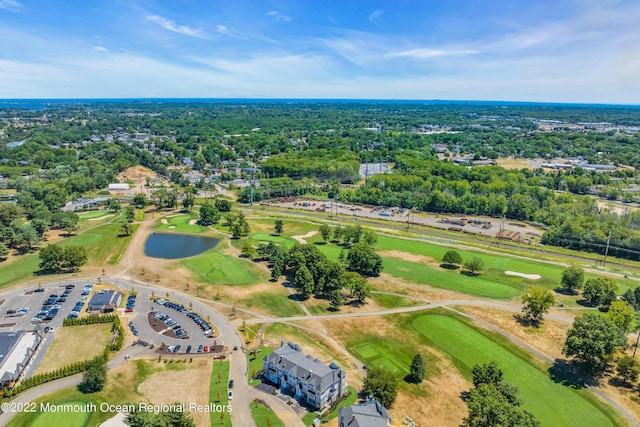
{"x":552,"y":403}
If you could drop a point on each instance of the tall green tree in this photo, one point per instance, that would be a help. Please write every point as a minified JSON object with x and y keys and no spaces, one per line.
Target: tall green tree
{"x":126,"y":229}
{"x":572,"y":278}
{"x":303,"y":281}
{"x":600,"y":291}
{"x":452,"y":258}
{"x":74,"y":257}
{"x":622,"y":315}
{"x":51,"y":257}
{"x":325,"y":232}
{"x":537,"y":302}
{"x":628,"y":368}
{"x":278,"y":226}
{"x":382,"y":384}
{"x":474,"y":266}
{"x":591,"y":340}
{"x":208,"y":215}
{"x":362,"y":258}
{"x":417,"y":370}
{"x":95,"y":377}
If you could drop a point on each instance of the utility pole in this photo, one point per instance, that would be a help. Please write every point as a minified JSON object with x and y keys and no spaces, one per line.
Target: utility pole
{"x":606,"y":251}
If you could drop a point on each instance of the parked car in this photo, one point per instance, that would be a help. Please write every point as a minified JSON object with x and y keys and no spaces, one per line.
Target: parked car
{"x":230,"y":395}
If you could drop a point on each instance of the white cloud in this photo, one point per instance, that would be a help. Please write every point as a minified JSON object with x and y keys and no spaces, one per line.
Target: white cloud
{"x":11,"y":5}
{"x":426,"y":53}
{"x":100,"y":48}
{"x":170,"y":25}
{"x":278,"y":16}
{"x":376,"y":17}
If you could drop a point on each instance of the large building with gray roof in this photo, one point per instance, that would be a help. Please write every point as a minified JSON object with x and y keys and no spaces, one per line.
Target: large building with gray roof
{"x":367,"y":414}
{"x":307,"y":378}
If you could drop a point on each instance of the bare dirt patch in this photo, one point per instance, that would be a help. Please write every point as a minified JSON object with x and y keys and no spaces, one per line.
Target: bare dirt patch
{"x":524,"y":275}
{"x":513,"y":163}
{"x":188,"y":384}
{"x":136,"y":173}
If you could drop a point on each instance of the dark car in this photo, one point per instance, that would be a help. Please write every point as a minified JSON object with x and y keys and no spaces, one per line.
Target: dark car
{"x":230,"y":383}
{"x":188,"y":349}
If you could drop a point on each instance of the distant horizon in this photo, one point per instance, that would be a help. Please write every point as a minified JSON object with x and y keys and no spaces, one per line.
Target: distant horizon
{"x":488,"y":102}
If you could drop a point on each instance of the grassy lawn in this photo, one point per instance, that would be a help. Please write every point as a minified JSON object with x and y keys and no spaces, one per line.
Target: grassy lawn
{"x":19,"y":269}
{"x":467,"y":346}
{"x":255,"y":364}
{"x":102,"y":244}
{"x":76,"y":419}
{"x":263,"y":416}
{"x":378,"y":354}
{"x":276,"y":302}
{"x":218,"y":392}
{"x":481,"y":285}
{"x":391,"y":301}
{"x":180,"y":223}
{"x":284,"y":241}
{"x":290,"y":227}
{"x":218,"y":268}
{"x":74,"y":344}
{"x":95,"y":214}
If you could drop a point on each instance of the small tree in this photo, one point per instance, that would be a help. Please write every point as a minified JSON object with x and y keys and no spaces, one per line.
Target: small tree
{"x":303,"y":281}
{"x":126,"y":229}
{"x":248,"y":251}
{"x":572,"y":278}
{"x":628,"y":368}
{"x":622,"y":315}
{"x":95,"y":377}
{"x":325,"y":232}
{"x":537,"y":302}
{"x":474,"y":266}
{"x":452,"y":258}
{"x":335,"y":300}
{"x":417,"y":370}
{"x":278,"y":226}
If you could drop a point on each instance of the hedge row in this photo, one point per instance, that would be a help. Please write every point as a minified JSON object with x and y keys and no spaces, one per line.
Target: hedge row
{"x":90,"y":320}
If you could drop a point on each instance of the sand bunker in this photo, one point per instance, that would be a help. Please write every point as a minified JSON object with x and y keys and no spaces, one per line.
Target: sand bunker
{"x":171,"y":226}
{"x":164,"y":221}
{"x":193,"y":221}
{"x":526,"y":276}
{"x":305,"y":236}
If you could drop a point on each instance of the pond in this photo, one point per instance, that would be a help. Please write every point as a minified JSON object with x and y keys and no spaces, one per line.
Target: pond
{"x":172,"y":246}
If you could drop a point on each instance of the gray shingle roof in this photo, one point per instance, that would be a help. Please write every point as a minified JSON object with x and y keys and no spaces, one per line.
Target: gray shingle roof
{"x":367,"y":414}
{"x":306,"y":368}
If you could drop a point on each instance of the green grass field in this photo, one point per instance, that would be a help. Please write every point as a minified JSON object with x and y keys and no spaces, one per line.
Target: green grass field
{"x":255,"y":364}
{"x":217,"y":268}
{"x":263,"y":416}
{"x":552,"y":403}
{"x":102,"y":243}
{"x":378,"y":356}
{"x":218,"y":392}
{"x":391,"y":301}
{"x":71,"y":419}
{"x":94,"y":214}
{"x":276,"y":302}
{"x":180,"y":223}
{"x":266,"y":237}
{"x":19,"y":269}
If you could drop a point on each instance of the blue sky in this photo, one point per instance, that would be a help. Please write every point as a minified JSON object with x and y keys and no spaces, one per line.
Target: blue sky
{"x":543,"y":50}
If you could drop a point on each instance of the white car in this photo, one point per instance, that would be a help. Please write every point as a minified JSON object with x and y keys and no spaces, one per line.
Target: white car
{"x":230,"y":395}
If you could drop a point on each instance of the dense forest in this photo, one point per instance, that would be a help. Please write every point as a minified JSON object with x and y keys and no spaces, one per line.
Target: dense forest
{"x":65,"y":150}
